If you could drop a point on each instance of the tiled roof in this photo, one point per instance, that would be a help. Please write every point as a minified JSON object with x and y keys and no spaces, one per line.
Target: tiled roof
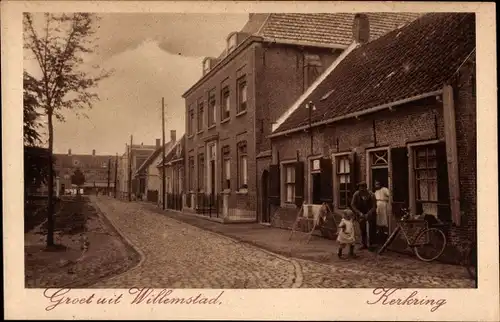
{"x":328,"y":28}
{"x":172,"y":154}
{"x":84,"y":161}
{"x":413,"y":60}
{"x":152,"y":156}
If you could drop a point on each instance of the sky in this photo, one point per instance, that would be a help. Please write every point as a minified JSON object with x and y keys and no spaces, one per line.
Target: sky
{"x":152,"y":56}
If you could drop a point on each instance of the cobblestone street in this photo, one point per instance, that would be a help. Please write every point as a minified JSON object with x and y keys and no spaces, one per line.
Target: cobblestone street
{"x":178,"y":255}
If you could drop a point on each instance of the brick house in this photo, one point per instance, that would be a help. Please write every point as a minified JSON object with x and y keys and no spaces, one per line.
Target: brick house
{"x":401,"y":110}
{"x":136,"y":156}
{"x":95,"y":168}
{"x":229,"y":111}
{"x":149,"y":175}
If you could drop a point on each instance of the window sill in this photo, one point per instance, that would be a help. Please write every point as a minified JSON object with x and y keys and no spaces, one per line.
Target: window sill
{"x":241,"y":113}
{"x":225,"y":120}
{"x":242,"y":192}
{"x":190,"y":136}
{"x":226,"y":191}
{"x":211,"y":127}
{"x":199,"y":132}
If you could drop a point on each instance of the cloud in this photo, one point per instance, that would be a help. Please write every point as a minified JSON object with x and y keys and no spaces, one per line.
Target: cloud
{"x":196,"y":35}
{"x":131,"y":101}
{"x":153,"y":55}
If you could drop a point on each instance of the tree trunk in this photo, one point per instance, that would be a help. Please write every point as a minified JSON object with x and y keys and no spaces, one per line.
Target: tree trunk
{"x":50,"y":212}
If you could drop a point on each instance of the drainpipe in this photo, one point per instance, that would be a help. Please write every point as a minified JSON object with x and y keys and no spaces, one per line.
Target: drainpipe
{"x":450,"y":135}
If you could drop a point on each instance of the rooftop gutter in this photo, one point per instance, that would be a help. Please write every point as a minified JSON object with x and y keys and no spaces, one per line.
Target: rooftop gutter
{"x":303,"y":43}
{"x":360,"y":113}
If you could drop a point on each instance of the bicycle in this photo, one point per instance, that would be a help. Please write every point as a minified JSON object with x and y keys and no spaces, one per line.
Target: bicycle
{"x":428,"y":243}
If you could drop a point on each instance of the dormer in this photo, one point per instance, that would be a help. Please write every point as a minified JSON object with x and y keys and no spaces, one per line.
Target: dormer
{"x":234,"y":39}
{"x":208,"y":64}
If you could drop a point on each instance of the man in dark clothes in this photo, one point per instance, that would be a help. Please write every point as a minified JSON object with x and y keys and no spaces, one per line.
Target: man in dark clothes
{"x":364,"y":205}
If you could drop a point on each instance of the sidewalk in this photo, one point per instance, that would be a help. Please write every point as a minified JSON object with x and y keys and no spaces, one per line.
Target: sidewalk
{"x":318,"y":249}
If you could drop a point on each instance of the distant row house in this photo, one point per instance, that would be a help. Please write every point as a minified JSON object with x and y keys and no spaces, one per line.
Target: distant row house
{"x":98,"y":172}
{"x":134,"y":156}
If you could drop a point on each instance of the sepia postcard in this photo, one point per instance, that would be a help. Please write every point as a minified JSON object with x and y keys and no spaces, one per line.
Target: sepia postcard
{"x":250,"y":160}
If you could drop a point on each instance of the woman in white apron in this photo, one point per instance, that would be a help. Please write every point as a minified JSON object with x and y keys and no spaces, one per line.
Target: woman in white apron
{"x":382,"y":194}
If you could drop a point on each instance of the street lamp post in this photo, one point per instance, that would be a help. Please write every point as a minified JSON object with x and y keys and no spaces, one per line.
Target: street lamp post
{"x":311,"y":107}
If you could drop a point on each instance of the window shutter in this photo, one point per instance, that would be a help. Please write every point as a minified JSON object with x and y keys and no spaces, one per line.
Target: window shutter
{"x":299,"y":183}
{"x":399,"y":176}
{"x":274,"y":184}
{"x":353,"y":168}
{"x":326,"y":180}
{"x":444,"y":207}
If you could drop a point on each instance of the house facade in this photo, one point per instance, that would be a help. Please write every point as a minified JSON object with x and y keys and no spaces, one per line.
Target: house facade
{"x":149,"y":174}
{"x":400,"y":110}
{"x":173,"y":165}
{"x":133,"y":157}
{"x":230,"y":110}
{"x":97,"y":169}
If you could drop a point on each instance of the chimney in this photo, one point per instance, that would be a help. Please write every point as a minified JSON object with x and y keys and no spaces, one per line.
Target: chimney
{"x":361,"y":28}
{"x":172,"y":135}
{"x":69,"y":151}
{"x":93,"y":152}
{"x":158,"y":143}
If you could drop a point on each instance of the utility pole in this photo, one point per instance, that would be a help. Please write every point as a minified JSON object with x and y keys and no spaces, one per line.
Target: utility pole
{"x":163,"y":181}
{"x":109,"y":175}
{"x":130,"y":170}
{"x":116,"y":174}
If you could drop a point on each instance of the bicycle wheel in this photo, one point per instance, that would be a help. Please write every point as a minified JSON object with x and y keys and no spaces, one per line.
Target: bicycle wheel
{"x":429,"y":244}
{"x":472,"y":263}
{"x":388,"y":241}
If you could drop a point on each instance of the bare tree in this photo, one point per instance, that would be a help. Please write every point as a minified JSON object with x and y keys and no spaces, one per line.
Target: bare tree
{"x":59,"y":43}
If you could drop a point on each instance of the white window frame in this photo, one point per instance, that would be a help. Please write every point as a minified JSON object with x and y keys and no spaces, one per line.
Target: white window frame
{"x":226,"y":175}
{"x":212,"y":117}
{"x":368,"y":167}
{"x":225,"y":103}
{"x":411,"y":179}
{"x":336,"y":191}
{"x":283,"y":165}
{"x":239,"y":95}
{"x":213,"y":156}
{"x":242,"y":177}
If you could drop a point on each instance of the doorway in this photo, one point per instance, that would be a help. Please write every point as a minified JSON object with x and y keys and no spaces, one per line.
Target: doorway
{"x":316,"y":188}
{"x":381,"y":175}
{"x":265,"y":195}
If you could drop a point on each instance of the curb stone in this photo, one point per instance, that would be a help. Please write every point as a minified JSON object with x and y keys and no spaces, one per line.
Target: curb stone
{"x":126,"y":240}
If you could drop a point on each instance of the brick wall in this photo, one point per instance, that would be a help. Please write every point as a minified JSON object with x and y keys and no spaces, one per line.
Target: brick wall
{"x":275,"y":79}
{"x":229,"y":133}
{"x":282,"y":78}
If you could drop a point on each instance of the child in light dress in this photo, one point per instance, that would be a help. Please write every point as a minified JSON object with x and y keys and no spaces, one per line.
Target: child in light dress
{"x":346,"y":234}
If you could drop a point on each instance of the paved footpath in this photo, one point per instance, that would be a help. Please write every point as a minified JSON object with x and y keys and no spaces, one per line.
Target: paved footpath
{"x":178,"y":255}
